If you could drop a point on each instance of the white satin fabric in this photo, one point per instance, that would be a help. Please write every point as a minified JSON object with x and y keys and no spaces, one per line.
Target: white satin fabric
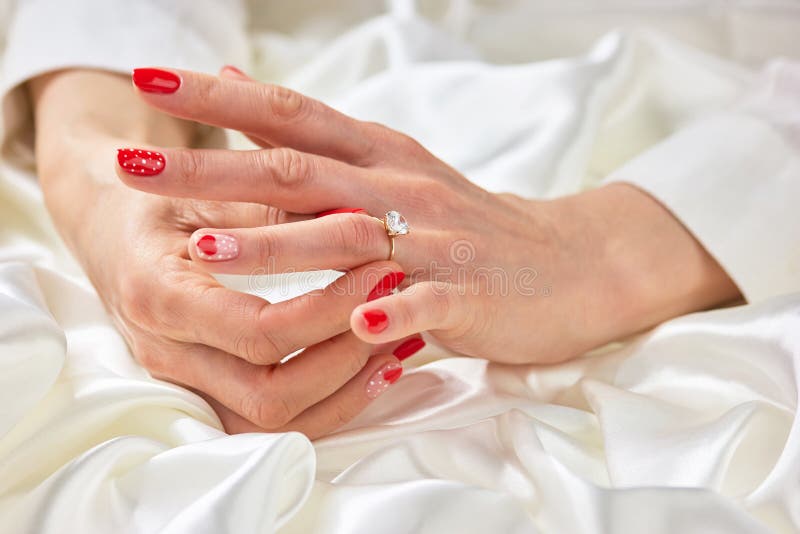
{"x":691,"y":428}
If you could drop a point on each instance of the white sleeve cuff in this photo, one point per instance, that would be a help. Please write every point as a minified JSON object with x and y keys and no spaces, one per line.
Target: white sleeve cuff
{"x":116,"y":35}
{"x":111,"y":34}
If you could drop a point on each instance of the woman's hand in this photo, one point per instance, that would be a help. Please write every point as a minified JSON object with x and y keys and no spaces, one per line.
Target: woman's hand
{"x":180,"y":323}
{"x":493,"y":275}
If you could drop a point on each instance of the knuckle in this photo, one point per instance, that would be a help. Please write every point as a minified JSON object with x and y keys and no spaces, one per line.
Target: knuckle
{"x":284,"y":104}
{"x":168,"y":307}
{"x":376,"y":136}
{"x":354,"y":365}
{"x":157,"y":356}
{"x":289,"y":168}
{"x":255,"y":342}
{"x":356,"y":356}
{"x":133,"y":303}
{"x":190,"y":166}
{"x":418,"y":198}
{"x":150,"y":359}
{"x":267,"y":410}
{"x":441,"y":297}
{"x":406,"y":144}
{"x":206,"y":94}
{"x":268,"y":346}
{"x":384,"y":142}
{"x":267,"y":248}
{"x":358,"y":235}
{"x":341,"y":415}
{"x":246,"y":347}
{"x":261,"y":349}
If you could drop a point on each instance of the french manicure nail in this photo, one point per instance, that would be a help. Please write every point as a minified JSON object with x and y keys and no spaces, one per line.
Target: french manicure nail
{"x":383,"y":378}
{"x":408,"y":348}
{"x":376,"y":320}
{"x":156,"y":81}
{"x":141,"y":162}
{"x":217,"y":247}
{"x":340,"y":210}
{"x":386,"y":285}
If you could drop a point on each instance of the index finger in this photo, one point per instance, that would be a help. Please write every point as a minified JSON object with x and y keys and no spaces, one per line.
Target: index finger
{"x":278,"y":115}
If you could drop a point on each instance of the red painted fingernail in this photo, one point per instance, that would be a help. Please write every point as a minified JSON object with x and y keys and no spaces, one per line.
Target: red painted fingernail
{"x":408,"y":348}
{"x":386,"y":285}
{"x":236,"y":71}
{"x":340,"y":210}
{"x":391,"y":375}
{"x":156,"y":80}
{"x":377,"y":321}
{"x":217,"y":247}
{"x":141,"y":162}
{"x":383,"y":378}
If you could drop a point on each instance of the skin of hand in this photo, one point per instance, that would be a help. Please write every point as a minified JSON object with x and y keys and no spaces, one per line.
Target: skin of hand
{"x":180,"y":323}
{"x":491,"y":275}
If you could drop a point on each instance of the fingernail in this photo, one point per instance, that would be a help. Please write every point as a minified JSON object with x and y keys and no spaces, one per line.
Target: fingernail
{"x":217,"y":247}
{"x":236,"y":71}
{"x":340,"y":210}
{"x":383,"y":378}
{"x":141,"y":162}
{"x":156,"y":80}
{"x":376,"y":320}
{"x":408,"y":348}
{"x":386,"y":285}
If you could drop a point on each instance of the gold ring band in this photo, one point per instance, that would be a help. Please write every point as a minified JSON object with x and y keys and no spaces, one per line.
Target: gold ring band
{"x":395,"y":225}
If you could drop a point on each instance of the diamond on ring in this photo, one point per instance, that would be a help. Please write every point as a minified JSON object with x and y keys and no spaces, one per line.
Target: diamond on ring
{"x":395,"y":224}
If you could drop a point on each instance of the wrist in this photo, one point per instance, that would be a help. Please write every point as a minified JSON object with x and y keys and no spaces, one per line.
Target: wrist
{"x":84,"y":103}
{"x":646,"y":267}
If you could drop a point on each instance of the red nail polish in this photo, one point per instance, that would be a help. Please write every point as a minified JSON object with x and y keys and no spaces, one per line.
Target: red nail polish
{"x":386,"y":285}
{"x":141,"y":162}
{"x":408,"y":348}
{"x":156,"y":81}
{"x":383,"y":378}
{"x":392,"y":375}
{"x":377,"y":321}
{"x":235,"y":71}
{"x":207,"y":245}
{"x":340,"y":210}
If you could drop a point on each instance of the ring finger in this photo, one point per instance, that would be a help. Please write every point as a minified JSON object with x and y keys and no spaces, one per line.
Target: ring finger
{"x":340,"y":241}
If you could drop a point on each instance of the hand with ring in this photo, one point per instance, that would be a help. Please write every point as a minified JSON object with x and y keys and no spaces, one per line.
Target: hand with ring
{"x":490,"y":275}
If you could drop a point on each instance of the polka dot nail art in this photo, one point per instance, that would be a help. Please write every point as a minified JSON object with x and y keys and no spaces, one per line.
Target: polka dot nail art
{"x":383,"y":378}
{"x":141,"y":162}
{"x":217,"y":247}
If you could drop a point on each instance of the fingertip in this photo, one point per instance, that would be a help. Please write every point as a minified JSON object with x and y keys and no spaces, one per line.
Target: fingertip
{"x":385,"y":371}
{"x":369,"y":323}
{"x":156,"y":80}
{"x":140,"y":162}
{"x":213,"y":245}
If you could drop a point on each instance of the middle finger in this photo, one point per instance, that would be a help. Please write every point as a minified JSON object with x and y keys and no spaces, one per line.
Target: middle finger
{"x":281,"y":177}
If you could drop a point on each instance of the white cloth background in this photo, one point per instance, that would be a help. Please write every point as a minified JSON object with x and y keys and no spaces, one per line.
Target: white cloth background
{"x":690,"y":428}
